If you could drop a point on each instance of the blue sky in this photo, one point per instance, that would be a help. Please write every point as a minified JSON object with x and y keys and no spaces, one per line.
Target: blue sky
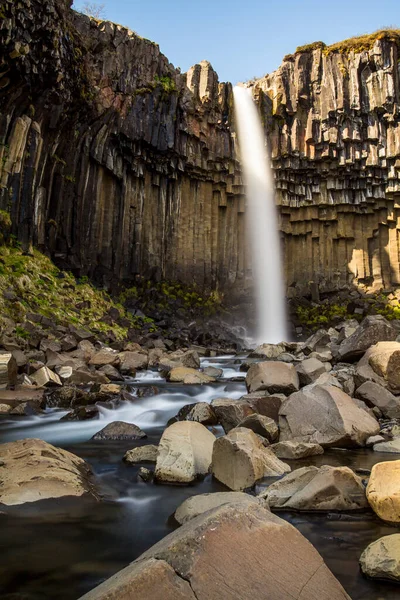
{"x":243,"y":39}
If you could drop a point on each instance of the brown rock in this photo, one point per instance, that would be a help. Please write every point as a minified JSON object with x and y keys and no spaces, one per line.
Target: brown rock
{"x":383,"y":490}
{"x":230,"y":412}
{"x":273,"y":376}
{"x":118,"y":430}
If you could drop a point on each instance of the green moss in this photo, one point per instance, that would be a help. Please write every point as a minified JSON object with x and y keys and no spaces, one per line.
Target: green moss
{"x":356,"y":44}
{"x":167,"y":83}
{"x":323,"y":314}
{"x":41,"y":288}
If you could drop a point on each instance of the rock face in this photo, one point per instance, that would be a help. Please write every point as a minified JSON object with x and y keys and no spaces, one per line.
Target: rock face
{"x":197,"y":505}
{"x":239,"y":459}
{"x":384,"y":359}
{"x":273,"y":376}
{"x":310,"y":488}
{"x":327,"y":416}
{"x":381,"y":559}
{"x":100,"y":113}
{"x":203,"y":554}
{"x":184,"y":452}
{"x":383,"y":490}
{"x":33,"y":470}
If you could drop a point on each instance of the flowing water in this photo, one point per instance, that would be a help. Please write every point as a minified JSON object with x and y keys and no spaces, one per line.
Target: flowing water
{"x":262,"y":221}
{"x":62,"y":549}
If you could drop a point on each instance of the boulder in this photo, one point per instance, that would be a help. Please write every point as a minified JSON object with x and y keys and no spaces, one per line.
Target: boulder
{"x":33,"y":470}
{"x":83,"y":377}
{"x":327,"y":416}
{"x":197,"y":505}
{"x":309,"y":370}
{"x":295,"y":450}
{"x":184,"y":452}
{"x":131,"y":361}
{"x":393,"y":446}
{"x":381,"y":559}
{"x":189,"y":359}
{"x":374,"y":439}
{"x":273,"y":376}
{"x":265,"y":404}
{"x":46,"y":378}
{"x":372,"y":330}
{"x":28,"y":409}
{"x":111,"y":373}
{"x":374,"y":394}
{"x":268,"y":351}
{"x":312,"y":488}
{"x":82,"y":413}
{"x":5,"y":409}
{"x":118,"y":430}
{"x":188,"y":376}
{"x":230,"y":412}
{"x":239,"y":459}
{"x":383,"y":490}
{"x":276,"y":562}
{"x":105,"y":356}
{"x":201,"y":412}
{"x":141,"y":454}
{"x":317,"y":342}
{"x":261,"y":425}
{"x":213,"y":372}
{"x":384,"y":359}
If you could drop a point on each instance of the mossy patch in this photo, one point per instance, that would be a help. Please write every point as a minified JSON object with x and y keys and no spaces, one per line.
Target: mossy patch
{"x":356,"y":44}
{"x":40,"y":287}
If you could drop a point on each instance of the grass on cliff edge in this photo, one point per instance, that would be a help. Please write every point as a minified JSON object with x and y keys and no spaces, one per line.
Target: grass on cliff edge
{"x":40,"y":287}
{"x":356,"y":44}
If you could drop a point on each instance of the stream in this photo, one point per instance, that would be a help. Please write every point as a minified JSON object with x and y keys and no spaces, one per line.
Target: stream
{"x":63,"y":549}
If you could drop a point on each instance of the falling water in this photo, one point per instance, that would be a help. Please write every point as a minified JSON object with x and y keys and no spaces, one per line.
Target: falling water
{"x":262,"y":221}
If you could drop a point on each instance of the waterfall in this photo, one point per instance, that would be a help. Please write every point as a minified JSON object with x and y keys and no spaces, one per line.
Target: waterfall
{"x":262,"y":223}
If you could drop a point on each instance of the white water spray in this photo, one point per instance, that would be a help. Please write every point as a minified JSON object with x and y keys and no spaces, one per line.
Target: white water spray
{"x":262,"y":221}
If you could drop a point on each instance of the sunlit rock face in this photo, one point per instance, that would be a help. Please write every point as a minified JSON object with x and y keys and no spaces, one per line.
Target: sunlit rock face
{"x":118,"y":164}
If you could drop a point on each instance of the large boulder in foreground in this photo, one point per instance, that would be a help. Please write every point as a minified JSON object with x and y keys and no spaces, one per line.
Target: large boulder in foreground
{"x":381,"y":559}
{"x":273,"y":376}
{"x":276,"y":562}
{"x":372,"y":330}
{"x":383,"y":490}
{"x":240,"y":459}
{"x":310,"y":488}
{"x":197,"y":505}
{"x":325,"y":415}
{"x":33,"y":470}
{"x":184,"y":452}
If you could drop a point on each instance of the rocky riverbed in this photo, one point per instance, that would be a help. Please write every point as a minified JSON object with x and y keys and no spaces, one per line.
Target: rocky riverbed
{"x":295,"y":428}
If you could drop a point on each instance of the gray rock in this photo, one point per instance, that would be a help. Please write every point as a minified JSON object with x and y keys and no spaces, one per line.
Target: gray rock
{"x":309,"y":370}
{"x":373,"y":329}
{"x":310,"y":488}
{"x":197,"y":505}
{"x":381,"y":559}
{"x":327,"y":416}
{"x":265,"y":404}
{"x":118,"y":430}
{"x":392,"y":447}
{"x":231,"y":412}
{"x":273,"y":376}
{"x":374,"y":394}
{"x":239,"y":459}
{"x":261,"y":425}
{"x":184,"y":452}
{"x":295,"y":450}
{"x":141,"y":454}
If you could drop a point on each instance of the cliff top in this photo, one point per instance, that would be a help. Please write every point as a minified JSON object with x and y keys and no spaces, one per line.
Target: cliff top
{"x":356,"y":44}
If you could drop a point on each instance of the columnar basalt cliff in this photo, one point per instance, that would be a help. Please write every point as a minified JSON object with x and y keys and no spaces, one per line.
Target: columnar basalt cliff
{"x":118,"y":164}
{"x":333,"y":121}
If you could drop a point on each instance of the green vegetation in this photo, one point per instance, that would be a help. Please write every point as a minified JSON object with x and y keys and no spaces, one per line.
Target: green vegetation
{"x":164,"y":295}
{"x":166,"y":82}
{"x":321,"y":315}
{"x":356,"y":44}
{"x":40,"y":287}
